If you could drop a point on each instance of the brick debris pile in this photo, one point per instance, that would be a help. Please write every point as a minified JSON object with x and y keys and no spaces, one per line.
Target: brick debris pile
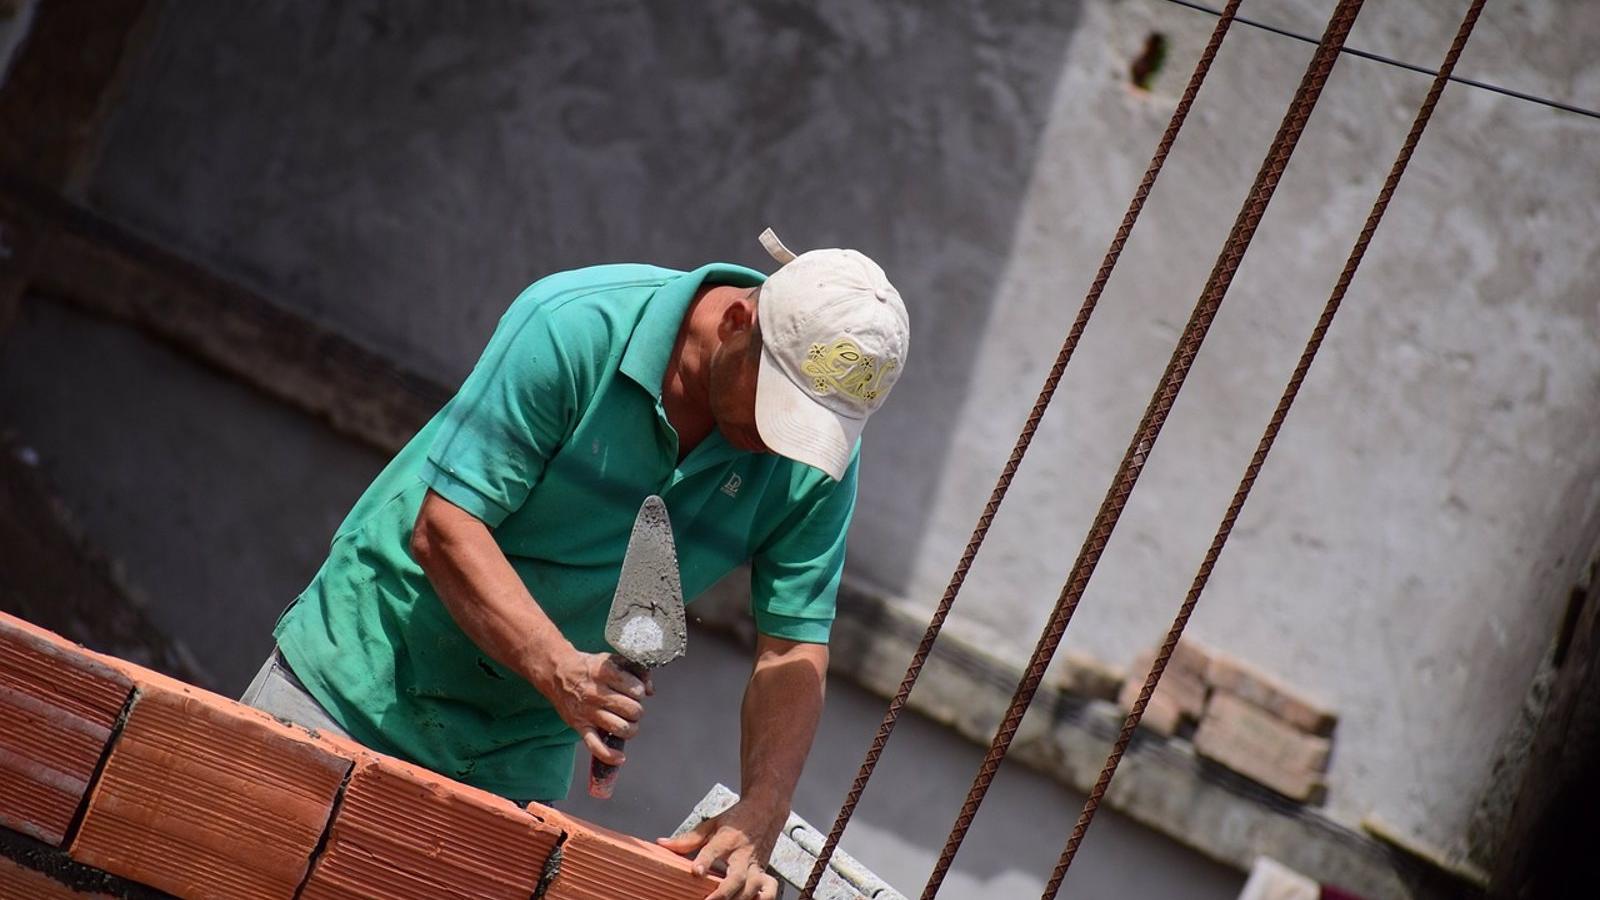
{"x":1242,"y":719}
{"x":122,"y":781}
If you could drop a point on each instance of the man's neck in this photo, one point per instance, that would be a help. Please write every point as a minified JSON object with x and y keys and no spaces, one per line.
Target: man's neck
{"x":685,"y":389}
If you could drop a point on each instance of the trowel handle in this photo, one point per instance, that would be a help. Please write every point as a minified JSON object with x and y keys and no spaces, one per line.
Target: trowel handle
{"x":602,"y":776}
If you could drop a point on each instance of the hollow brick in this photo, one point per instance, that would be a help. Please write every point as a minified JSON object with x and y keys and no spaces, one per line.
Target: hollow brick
{"x":402,"y":831}
{"x":58,"y":706}
{"x":601,"y":864}
{"x":202,"y":796}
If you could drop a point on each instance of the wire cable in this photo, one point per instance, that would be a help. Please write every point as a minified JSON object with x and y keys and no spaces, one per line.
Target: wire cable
{"x":1400,"y":64}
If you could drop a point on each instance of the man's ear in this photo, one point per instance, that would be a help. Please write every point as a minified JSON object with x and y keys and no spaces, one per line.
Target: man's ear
{"x":738,"y":316}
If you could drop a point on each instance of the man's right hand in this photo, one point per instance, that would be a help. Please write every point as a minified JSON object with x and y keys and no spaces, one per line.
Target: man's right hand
{"x":593,"y":694}
{"x":487,"y":598}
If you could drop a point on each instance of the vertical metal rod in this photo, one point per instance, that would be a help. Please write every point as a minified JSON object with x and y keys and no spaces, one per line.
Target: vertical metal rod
{"x":1144,"y":438}
{"x":1263,"y":447}
{"x":1008,"y":472}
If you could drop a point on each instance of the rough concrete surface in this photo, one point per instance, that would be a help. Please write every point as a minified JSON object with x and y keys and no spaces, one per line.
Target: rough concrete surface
{"x":1410,"y":541}
{"x":401,"y":171}
{"x":217,"y":502}
{"x":55,"y":578}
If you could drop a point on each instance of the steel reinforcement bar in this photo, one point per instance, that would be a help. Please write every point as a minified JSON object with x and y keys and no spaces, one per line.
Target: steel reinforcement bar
{"x":1242,"y":493}
{"x":1145,"y":436}
{"x":1008,"y":472}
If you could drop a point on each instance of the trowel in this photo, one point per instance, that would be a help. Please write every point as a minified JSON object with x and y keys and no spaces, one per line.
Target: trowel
{"x":645,"y":629}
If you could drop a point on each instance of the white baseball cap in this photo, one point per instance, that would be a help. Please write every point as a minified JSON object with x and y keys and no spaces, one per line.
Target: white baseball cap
{"x":834,"y":336}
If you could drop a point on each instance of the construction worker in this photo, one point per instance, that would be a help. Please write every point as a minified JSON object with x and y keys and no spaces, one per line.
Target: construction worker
{"x":458,"y":620}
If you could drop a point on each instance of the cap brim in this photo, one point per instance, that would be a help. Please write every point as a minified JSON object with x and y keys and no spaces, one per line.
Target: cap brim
{"x":794,"y":425}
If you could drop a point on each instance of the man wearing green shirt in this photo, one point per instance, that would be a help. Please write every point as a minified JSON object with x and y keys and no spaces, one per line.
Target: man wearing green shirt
{"x":458,"y":620}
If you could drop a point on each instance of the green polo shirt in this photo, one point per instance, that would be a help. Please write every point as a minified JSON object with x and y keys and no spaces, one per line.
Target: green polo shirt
{"x":554,"y":440}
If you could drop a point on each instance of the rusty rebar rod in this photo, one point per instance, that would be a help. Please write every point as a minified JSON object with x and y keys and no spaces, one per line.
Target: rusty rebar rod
{"x":1144,"y":438}
{"x":1263,"y":447}
{"x":1008,"y":471}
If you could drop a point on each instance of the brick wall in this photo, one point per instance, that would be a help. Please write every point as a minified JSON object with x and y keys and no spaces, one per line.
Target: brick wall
{"x":116,"y":776}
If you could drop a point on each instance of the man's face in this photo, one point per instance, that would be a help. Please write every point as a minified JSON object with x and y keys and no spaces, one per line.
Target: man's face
{"x":734,"y":367}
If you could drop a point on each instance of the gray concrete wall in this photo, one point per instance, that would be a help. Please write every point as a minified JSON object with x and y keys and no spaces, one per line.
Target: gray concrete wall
{"x":218,"y":502}
{"x":402,"y":173}
{"x":1411,"y":541}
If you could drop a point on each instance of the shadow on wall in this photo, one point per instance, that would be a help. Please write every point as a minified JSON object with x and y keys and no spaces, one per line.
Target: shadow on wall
{"x":403,"y":170}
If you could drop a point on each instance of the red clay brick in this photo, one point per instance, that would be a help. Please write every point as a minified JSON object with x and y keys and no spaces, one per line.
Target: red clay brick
{"x":601,"y":864}
{"x":203,"y":797}
{"x":402,"y":831}
{"x":1261,"y":747}
{"x":1226,"y":673}
{"x":58,"y":704}
{"x":18,"y":883}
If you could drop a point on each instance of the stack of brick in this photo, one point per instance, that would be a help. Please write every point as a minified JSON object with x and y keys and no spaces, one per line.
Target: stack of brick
{"x":1262,"y":729}
{"x":1243,"y":718}
{"x":112,"y":773}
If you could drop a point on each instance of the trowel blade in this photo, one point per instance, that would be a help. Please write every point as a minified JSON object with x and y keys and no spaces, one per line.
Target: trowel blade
{"x":646,"y":623}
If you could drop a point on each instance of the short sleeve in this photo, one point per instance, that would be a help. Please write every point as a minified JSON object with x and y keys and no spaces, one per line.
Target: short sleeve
{"x":794,"y":576}
{"x":515,"y":409}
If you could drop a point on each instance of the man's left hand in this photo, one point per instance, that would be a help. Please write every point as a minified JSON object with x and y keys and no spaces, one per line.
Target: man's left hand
{"x":740,"y":839}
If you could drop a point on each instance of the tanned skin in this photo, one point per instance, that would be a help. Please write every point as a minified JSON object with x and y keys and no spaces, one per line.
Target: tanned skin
{"x":710,"y":384}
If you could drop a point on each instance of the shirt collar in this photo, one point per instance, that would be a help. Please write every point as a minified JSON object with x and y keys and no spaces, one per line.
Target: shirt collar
{"x":650,"y":348}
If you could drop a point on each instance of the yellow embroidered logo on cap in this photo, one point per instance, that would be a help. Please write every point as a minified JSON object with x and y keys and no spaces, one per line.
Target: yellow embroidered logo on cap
{"x":841,"y":366}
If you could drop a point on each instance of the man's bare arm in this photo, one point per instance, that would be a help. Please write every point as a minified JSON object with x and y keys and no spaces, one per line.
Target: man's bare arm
{"x":492,"y":606}
{"x":782,"y":705}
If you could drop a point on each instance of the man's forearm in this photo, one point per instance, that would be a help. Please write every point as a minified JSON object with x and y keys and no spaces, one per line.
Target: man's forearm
{"x":782,"y":706}
{"x":483,"y":594}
